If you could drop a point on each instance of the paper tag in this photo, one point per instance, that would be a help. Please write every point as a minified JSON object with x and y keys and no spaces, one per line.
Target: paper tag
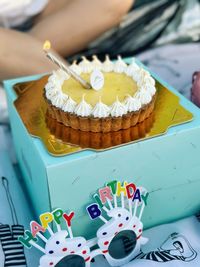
{"x":97,"y":80}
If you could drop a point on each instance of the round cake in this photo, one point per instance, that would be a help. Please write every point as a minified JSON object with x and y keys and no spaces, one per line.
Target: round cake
{"x":126,"y":97}
{"x":99,"y":140}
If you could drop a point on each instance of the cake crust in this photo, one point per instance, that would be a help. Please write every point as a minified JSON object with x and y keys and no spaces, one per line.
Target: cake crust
{"x":98,"y":140}
{"x":104,"y":125}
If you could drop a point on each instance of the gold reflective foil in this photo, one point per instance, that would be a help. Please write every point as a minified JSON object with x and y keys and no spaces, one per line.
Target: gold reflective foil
{"x":60,"y":140}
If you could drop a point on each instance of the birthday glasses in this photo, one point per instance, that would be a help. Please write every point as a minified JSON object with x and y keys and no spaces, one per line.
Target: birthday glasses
{"x":119,"y":239}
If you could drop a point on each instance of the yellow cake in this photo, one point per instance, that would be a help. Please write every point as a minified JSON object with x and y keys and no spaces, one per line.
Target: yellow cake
{"x":126,"y":97}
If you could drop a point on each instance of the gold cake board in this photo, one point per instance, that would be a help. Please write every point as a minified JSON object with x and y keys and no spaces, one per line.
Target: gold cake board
{"x":60,"y":140}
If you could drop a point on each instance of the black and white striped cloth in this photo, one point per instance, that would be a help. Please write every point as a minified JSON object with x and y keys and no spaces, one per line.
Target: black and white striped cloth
{"x":15,"y":215}
{"x":159,"y":256}
{"x":12,"y":248}
{"x":170,"y":245}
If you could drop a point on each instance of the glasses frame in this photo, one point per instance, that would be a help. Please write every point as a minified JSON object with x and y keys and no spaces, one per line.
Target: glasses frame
{"x":121,"y":218}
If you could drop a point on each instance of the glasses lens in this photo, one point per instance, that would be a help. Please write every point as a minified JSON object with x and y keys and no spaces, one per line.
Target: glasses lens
{"x":122,"y":244}
{"x":71,"y":261}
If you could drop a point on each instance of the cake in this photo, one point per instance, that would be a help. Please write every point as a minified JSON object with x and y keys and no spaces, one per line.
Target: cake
{"x":99,"y":140}
{"x":126,"y":98}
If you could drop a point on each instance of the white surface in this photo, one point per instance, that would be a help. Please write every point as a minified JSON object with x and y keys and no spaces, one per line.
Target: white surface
{"x":13,"y":13}
{"x":175,"y":64}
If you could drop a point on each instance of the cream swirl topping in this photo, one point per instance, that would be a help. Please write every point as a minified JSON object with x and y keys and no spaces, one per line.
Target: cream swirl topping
{"x":50,"y":94}
{"x":147,"y":83}
{"x":96,"y":63}
{"x":132,"y":104}
{"x":83,"y":109}
{"x":76,"y":68}
{"x":86,"y":65}
{"x":143,"y":96}
{"x":59,"y":99}
{"x":151,"y":89}
{"x":69,"y":105}
{"x":54,"y":86}
{"x":100,"y":110}
{"x":139,"y":76}
{"x":55,"y":80}
{"x":120,"y":66}
{"x":117,"y":109}
{"x":108,"y":65}
{"x":62,"y":75}
{"x":149,"y":80}
{"x":133,"y":67}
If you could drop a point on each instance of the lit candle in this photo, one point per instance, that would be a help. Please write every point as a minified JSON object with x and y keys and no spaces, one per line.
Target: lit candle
{"x":64,"y":67}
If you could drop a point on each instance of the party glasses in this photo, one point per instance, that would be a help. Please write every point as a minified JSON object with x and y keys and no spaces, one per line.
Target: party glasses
{"x":119,"y":239}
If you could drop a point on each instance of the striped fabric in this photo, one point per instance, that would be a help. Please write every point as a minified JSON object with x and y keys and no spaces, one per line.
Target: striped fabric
{"x":159,"y":256}
{"x":12,"y":248}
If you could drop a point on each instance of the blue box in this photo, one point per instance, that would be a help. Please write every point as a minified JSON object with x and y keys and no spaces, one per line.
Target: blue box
{"x":168,"y":166}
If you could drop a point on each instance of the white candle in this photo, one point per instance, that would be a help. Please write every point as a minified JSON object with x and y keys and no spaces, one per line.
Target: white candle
{"x":58,"y":62}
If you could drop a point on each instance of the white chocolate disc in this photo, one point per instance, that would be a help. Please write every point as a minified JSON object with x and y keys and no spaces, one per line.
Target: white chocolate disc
{"x":97,"y":79}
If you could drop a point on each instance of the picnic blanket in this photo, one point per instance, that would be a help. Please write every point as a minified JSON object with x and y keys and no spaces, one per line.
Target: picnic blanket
{"x":175,"y":244}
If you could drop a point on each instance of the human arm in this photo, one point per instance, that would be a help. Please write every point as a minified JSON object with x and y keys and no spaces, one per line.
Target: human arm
{"x":79,"y":22}
{"x":21,"y":54}
{"x":69,"y":28}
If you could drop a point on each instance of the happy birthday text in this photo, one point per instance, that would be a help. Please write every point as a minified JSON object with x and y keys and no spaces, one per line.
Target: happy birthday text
{"x":115,"y":188}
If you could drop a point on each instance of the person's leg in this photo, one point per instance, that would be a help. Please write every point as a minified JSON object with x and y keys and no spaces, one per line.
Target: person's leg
{"x":21,"y":54}
{"x":79,"y":22}
{"x":69,"y":29}
{"x":52,"y":7}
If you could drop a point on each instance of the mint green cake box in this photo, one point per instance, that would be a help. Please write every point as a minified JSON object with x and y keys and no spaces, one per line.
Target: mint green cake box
{"x":168,"y":166}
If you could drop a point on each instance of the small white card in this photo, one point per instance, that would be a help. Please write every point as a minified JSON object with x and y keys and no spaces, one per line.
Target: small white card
{"x":97,"y":79}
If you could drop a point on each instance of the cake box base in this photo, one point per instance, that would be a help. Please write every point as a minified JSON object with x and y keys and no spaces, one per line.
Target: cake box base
{"x":168,"y":166}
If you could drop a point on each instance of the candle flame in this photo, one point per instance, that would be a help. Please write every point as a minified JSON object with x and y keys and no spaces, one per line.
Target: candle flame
{"x":47,"y":45}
